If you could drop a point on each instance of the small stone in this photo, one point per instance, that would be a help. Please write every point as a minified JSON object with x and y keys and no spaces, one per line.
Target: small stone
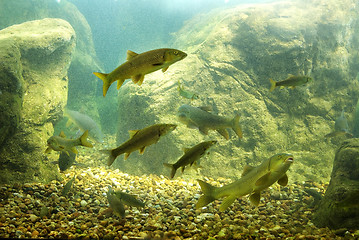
{"x":83,"y":203}
{"x":33,"y":217}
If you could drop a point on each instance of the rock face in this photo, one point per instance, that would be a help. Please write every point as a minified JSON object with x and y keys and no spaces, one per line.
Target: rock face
{"x":35,"y":57}
{"x":231,"y":56}
{"x":339,"y":207}
{"x":82,"y":83}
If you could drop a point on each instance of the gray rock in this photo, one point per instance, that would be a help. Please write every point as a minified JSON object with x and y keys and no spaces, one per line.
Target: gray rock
{"x":339,"y":208}
{"x":33,"y":79}
{"x":232,"y":54}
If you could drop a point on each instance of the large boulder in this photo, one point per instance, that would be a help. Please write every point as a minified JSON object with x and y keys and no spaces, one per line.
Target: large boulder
{"x":232,"y":54}
{"x":339,"y":207}
{"x":35,"y":57}
{"x":82,"y":86}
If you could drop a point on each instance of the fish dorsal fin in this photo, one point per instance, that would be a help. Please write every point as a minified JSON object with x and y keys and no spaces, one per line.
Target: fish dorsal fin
{"x":283,"y":181}
{"x":263,"y":180}
{"x":247,"y":169}
{"x":255,"y":198}
{"x":206,"y":108}
{"x":185,"y":149}
{"x":133,"y":133}
{"x":130,"y":55}
{"x":62,"y":134}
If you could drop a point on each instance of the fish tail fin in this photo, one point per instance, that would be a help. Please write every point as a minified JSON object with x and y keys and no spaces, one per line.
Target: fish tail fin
{"x":173,"y":169}
{"x":236,"y":127}
{"x":273,"y":84}
{"x":83,"y":139}
{"x":106,"y":81}
{"x":111,"y":157}
{"x":207,"y":197}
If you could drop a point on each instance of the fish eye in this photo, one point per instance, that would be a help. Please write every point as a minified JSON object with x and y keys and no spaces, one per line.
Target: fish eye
{"x":175,"y":52}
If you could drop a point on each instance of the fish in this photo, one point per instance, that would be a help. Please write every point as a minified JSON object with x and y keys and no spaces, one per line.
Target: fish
{"x":341,"y":127}
{"x":191,"y":155}
{"x":253,"y":181}
{"x":292,"y":81}
{"x":61,"y":143}
{"x":201,"y":118}
{"x":66,"y":160}
{"x":138,"y":65}
{"x":115,"y":203}
{"x":84,"y":122}
{"x":185,"y":93}
{"x":68,"y":186}
{"x":341,"y":123}
{"x":129,"y":200}
{"x":139,"y":140}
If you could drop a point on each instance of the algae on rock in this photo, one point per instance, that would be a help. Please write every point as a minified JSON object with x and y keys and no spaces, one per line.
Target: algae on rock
{"x":33,"y":82}
{"x":339,"y":208}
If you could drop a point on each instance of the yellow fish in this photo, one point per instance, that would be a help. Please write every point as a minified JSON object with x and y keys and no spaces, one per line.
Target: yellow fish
{"x":138,"y":65}
{"x":253,"y":181}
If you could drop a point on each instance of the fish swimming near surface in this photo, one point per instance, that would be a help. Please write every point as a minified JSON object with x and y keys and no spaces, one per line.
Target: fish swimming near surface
{"x":115,"y":203}
{"x":139,"y":140}
{"x":61,"y":143}
{"x":201,"y":118}
{"x":341,"y":127}
{"x":291,"y":81}
{"x":185,"y":93}
{"x":129,"y":200}
{"x":253,"y":181}
{"x":138,"y":65}
{"x":84,"y":122}
{"x":190,"y":156}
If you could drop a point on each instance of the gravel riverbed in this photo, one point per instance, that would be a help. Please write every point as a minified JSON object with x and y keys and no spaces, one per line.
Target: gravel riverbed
{"x":35,"y":210}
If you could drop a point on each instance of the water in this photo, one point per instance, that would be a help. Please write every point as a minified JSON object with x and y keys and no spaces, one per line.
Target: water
{"x":227,"y":52}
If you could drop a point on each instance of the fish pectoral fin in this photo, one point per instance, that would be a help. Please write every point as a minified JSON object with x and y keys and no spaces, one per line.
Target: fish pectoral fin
{"x":48,"y":150}
{"x":203,"y":130}
{"x":247,"y":169}
{"x":255,"y":198}
{"x":164,"y":69}
{"x":182,"y":169}
{"x":226,"y":203}
{"x":62,"y":134}
{"x":130,"y":55}
{"x":142,"y":150}
{"x":74,"y":150}
{"x":283,"y":181}
{"x":133,"y":133}
{"x":224,"y":133}
{"x":263,"y":180}
{"x":127,"y":155}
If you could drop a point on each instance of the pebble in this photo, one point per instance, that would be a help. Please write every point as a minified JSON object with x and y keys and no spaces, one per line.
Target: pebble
{"x":169,"y":212}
